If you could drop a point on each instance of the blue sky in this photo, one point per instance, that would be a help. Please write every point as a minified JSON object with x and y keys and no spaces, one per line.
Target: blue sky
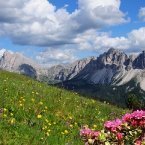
{"x":55,"y":31}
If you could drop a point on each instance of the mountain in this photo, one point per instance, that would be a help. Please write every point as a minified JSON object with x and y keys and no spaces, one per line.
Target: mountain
{"x":60,"y":73}
{"x":108,"y":77}
{"x":113,"y":67}
{"x":16,"y":62}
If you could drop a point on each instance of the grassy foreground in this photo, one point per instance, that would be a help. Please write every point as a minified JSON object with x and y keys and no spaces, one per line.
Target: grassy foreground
{"x":33,"y":113}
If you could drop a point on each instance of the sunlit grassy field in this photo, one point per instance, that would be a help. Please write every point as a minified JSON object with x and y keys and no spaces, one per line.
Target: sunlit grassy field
{"x":33,"y":113}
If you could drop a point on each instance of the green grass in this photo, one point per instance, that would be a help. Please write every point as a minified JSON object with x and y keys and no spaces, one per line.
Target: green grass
{"x":62,"y":113}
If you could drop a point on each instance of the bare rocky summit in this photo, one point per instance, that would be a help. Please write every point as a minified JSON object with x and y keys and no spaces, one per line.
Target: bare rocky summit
{"x":16,"y":62}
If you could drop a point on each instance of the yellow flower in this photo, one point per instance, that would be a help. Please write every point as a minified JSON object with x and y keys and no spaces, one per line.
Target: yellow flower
{"x":46,"y":120}
{"x":62,"y":133}
{"x":4,"y":115}
{"x":49,"y":130}
{"x":32,"y":99}
{"x":46,"y":107}
{"x":44,"y":128}
{"x":11,"y":114}
{"x":66,"y":131}
{"x":5,"y":109}
{"x":70,"y":118}
{"x":94,"y":126}
{"x":54,"y":123}
{"x":39,"y":116}
{"x":71,"y":125}
{"x":41,"y":103}
{"x":12,"y":121}
{"x":20,"y":105}
{"x":47,"y":133}
{"x":49,"y":124}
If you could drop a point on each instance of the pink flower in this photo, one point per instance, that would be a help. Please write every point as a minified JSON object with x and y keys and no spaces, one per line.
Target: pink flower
{"x":89,"y":133}
{"x":138,"y":142}
{"x":113,"y":125}
{"x":95,"y":134}
{"x":126,"y":117}
{"x":119,"y":136}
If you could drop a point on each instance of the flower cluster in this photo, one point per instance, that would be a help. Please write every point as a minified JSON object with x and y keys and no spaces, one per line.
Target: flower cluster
{"x":135,"y":119}
{"x":128,"y":130}
{"x":114,"y":125}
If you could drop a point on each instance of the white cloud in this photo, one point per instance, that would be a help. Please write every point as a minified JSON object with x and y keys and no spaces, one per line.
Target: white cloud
{"x":142,"y":14}
{"x":56,"y":56}
{"x":90,"y":41}
{"x":137,"y":38}
{"x":39,"y":23}
{"x":98,"y":13}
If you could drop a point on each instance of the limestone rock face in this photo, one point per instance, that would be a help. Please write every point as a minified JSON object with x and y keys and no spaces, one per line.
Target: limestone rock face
{"x":113,"y":67}
{"x":16,"y":62}
{"x":139,"y":62}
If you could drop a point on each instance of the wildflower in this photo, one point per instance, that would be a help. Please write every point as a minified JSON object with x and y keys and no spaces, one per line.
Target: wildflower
{"x":20,"y":104}
{"x":90,"y":141}
{"x":46,"y":107}
{"x":33,"y":100}
{"x":66,"y":131}
{"x":94,"y":126}
{"x":40,"y":103}
{"x":5,"y":109}
{"x":71,"y":125}
{"x":113,"y":125}
{"x":4,"y":115}
{"x":39,"y":116}
{"x":46,"y":120}
{"x":70,"y":118}
{"x":12,"y":121}
{"x":119,"y":136}
{"x":47,"y":133}
{"x":11,"y":114}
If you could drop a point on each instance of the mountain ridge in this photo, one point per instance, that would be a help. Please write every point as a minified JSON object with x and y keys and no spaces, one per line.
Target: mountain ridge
{"x":113,"y":67}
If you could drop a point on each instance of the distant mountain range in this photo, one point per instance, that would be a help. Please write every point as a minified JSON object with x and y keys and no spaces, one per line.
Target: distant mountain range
{"x":113,"y":68}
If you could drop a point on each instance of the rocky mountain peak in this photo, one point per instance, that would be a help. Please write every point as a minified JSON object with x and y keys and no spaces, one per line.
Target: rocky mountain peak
{"x":139,"y":62}
{"x":113,"y":57}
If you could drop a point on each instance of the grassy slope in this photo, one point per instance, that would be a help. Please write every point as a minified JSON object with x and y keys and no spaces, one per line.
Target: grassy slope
{"x":62,"y":112}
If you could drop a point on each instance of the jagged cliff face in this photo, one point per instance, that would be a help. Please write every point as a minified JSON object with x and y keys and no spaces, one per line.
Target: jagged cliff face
{"x":113,"y":67}
{"x":16,"y":62}
{"x":67,"y":72}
